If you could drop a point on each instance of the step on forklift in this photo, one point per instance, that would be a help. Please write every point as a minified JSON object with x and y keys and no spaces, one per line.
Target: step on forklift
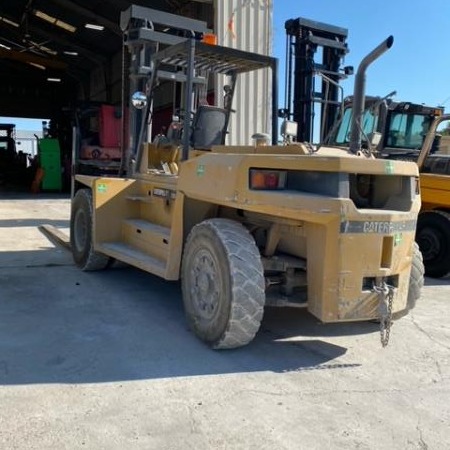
{"x":244,"y":226}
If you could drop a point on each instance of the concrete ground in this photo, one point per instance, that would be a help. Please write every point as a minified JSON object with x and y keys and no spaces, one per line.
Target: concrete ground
{"x":105,"y":361}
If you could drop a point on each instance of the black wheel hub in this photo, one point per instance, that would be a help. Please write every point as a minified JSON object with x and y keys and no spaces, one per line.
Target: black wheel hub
{"x":205,"y":282}
{"x":429,"y":243}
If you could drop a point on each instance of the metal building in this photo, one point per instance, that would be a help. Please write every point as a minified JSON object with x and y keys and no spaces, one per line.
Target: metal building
{"x":46,"y":40}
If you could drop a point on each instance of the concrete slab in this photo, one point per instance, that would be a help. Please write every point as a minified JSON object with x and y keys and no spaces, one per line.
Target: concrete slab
{"x":104,"y":360}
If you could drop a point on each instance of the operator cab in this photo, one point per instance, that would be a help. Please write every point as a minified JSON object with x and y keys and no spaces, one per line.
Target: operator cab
{"x":199,"y":118}
{"x":393,"y":129}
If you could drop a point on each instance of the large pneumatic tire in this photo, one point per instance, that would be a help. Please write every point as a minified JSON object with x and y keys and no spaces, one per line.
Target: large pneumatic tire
{"x":416,"y":281}
{"x":223,"y":283}
{"x":81,"y":241}
{"x":433,"y":237}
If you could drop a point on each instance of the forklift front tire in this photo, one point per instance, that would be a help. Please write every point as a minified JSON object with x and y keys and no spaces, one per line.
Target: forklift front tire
{"x":81,"y":239}
{"x":223,"y":283}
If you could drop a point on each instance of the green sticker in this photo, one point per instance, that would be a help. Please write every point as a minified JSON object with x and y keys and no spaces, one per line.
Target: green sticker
{"x":200,"y":170}
{"x":389,"y":167}
{"x":101,"y":187}
{"x":398,"y":239}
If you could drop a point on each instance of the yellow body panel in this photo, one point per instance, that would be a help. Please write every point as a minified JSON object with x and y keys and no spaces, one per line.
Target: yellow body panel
{"x":346,"y":249}
{"x":435,"y":191}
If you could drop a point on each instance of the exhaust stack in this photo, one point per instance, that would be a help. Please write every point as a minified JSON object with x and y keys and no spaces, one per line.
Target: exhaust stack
{"x":359,"y":92}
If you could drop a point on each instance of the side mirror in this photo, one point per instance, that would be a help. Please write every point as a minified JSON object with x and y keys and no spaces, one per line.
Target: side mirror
{"x":139,"y":100}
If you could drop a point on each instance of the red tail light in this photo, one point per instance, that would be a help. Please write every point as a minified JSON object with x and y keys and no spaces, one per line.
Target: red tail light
{"x":267,"y":179}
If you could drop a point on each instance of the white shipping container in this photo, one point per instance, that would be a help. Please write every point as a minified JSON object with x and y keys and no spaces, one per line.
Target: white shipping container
{"x":246,"y":25}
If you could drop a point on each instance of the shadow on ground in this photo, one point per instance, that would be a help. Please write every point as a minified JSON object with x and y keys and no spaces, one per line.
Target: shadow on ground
{"x":17,"y":223}
{"x":445,"y":281}
{"x":61,"y":325}
{"x":14,"y":194}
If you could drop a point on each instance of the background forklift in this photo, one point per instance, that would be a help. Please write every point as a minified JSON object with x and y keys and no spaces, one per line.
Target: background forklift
{"x":14,"y":167}
{"x":411,"y":132}
{"x":382,"y":127}
{"x":251,"y":225}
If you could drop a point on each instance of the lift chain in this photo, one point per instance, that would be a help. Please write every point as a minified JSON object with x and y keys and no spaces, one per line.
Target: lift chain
{"x":385,"y":293}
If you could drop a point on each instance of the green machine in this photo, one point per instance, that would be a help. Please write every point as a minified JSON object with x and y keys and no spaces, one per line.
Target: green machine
{"x":50,"y":162}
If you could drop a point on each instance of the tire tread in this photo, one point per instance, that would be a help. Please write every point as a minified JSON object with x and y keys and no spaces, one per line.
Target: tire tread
{"x":416,"y":280}
{"x":437,"y":269}
{"x":94,"y":261}
{"x":247,"y":281}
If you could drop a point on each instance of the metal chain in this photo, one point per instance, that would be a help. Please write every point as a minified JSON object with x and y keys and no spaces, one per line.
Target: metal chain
{"x":385,"y":293}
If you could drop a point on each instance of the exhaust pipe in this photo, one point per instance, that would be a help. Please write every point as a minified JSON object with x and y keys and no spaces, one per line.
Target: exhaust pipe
{"x":359,"y":98}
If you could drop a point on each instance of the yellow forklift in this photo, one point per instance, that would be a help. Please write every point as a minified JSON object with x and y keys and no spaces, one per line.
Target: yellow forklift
{"x":433,"y":226}
{"x":247,"y":226}
{"x":377,"y":125}
{"x":13,"y":163}
{"x":410,"y":132}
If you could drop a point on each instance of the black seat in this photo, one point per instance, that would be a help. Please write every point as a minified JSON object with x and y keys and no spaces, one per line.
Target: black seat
{"x":208,"y":127}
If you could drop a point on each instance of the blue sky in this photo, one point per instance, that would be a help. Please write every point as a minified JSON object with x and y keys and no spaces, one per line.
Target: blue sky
{"x":417,"y":66}
{"x":24,"y":124}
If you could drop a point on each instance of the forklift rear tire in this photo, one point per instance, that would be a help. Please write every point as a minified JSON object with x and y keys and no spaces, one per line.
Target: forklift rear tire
{"x":416,"y":278}
{"x":81,"y":241}
{"x":416,"y":281}
{"x":223,"y":283}
{"x":433,"y":237}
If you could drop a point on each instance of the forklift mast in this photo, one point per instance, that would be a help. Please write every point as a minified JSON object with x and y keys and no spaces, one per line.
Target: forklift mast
{"x":145,"y":32}
{"x":306,"y":40}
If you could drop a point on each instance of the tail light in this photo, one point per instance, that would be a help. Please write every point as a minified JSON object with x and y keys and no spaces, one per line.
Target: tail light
{"x":267,"y":179}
